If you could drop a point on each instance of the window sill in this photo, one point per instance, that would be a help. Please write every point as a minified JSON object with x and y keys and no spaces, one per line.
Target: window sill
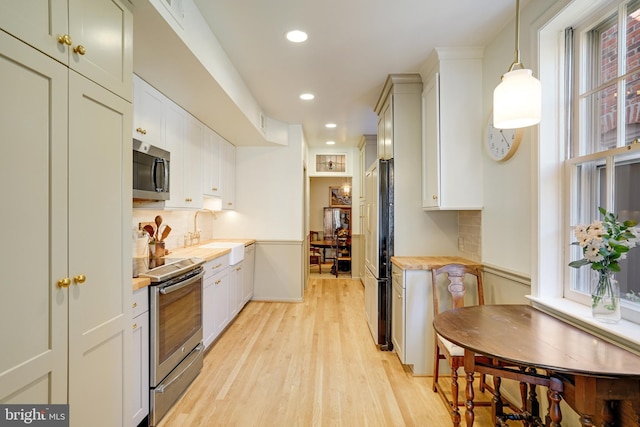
{"x":624,"y":334}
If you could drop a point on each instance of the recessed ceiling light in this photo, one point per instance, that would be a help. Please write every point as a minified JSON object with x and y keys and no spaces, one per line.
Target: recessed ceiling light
{"x":307,"y":96}
{"x":330,"y":125}
{"x":296,"y":36}
{"x":331,"y":142}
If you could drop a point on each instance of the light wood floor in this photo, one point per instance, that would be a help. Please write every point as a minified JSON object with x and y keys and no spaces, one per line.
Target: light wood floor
{"x":308,"y":364}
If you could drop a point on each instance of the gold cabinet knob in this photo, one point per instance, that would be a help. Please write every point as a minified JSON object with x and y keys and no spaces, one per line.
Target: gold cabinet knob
{"x":135,"y":326}
{"x":142,"y":131}
{"x":65,"y":39}
{"x":64,"y":283}
{"x":80,"y":50}
{"x":135,"y":304}
{"x":217,"y":282}
{"x":435,"y":197}
{"x":80,"y":278}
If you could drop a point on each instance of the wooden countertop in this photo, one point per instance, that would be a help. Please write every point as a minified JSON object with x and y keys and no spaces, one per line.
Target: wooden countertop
{"x":207,"y":254}
{"x":428,"y":262}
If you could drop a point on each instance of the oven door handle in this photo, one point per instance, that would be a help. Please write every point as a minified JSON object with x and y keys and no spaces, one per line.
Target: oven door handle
{"x":177,"y":286}
{"x":162,"y":387}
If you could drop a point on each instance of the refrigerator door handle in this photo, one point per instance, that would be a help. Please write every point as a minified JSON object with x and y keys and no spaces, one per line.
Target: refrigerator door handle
{"x":368,"y":217}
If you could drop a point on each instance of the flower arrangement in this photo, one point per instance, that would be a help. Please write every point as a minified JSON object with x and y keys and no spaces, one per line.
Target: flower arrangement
{"x":604,"y":243}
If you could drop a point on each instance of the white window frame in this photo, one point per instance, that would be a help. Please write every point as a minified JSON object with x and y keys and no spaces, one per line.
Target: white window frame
{"x":550,"y":221}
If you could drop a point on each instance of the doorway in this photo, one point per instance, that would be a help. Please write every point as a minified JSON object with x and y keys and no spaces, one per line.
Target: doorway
{"x":321,"y":190}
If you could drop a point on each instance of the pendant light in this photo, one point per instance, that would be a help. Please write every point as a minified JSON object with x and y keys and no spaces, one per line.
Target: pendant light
{"x":517,"y":100}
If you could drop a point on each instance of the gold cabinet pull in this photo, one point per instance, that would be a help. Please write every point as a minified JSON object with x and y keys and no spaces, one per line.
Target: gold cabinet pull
{"x":80,"y":278}
{"x":135,"y":326}
{"x":135,"y":304}
{"x":80,"y":50}
{"x":217,"y":282}
{"x":215,"y":189}
{"x":64,"y":283}
{"x":65,"y":39}
{"x":216,"y":266}
{"x":142,"y":131}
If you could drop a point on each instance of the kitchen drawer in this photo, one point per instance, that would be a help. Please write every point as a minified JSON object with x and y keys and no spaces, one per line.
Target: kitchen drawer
{"x":140,"y":301}
{"x":216,"y":265}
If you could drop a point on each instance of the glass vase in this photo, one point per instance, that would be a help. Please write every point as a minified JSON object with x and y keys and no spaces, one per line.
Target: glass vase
{"x":605,"y":297}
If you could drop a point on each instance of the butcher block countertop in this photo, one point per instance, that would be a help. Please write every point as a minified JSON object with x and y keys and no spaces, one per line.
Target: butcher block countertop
{"x":428,"y":262}
{"x":193,"y":251}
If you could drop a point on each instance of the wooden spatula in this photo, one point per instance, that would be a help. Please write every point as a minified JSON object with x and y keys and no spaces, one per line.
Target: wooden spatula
{"x":165,"y":232}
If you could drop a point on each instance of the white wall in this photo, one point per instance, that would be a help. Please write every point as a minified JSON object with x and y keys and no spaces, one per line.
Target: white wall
{"x":508,"y":186}
{"x":269,"y":191}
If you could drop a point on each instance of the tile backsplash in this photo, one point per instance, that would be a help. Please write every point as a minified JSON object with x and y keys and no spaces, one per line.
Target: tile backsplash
{"x":469,"y":233}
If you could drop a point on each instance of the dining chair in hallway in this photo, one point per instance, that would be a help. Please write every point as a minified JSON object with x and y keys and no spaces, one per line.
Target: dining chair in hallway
{"x":342,"y":262}
{"x":315,"y":255}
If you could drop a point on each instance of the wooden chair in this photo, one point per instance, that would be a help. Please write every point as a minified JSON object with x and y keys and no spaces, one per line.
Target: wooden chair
{"x":342,"y":262}
{"x":315,"y":255}
{"x":445,"y":349}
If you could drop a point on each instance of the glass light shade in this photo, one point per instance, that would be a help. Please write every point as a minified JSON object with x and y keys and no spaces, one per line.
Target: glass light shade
{"x":517,"y":100}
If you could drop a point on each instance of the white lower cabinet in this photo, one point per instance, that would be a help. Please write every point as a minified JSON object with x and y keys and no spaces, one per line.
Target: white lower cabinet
{"x":215,"y":299}
{"x":248,"y":272}
{"x":226,"y":290}
{"x":140,"y":353}
{"x":412,"y":315}
{"x":397,"y":315}
{"x":235,"y":288}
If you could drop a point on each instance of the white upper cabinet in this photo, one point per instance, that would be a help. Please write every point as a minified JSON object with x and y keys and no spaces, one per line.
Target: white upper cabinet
{"x":183,"y":137}
{"x":228,"y":175}
{"x":147,"y":113}
{"x":212,"y":163}
{"x":452,"y":130}
{"x":75,"y":32}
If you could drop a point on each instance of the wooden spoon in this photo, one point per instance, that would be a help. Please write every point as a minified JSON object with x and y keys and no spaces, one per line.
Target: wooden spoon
{"x":149,"y":229}
{"x":158,"y":222}
{"x":165,"y":232}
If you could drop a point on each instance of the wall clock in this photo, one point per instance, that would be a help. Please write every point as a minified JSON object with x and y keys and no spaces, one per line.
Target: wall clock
{"x":501,"y":144}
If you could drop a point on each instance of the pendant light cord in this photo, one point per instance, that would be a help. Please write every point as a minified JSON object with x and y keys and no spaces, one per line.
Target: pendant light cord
{"x":517,"y":52}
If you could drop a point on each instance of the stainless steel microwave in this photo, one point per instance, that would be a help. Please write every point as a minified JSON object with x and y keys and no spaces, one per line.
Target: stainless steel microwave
{"x":150,"y":172}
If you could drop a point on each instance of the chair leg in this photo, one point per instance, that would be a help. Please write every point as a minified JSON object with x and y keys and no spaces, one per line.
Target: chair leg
{"x":436,"y":367}
{"x":454,"y":392}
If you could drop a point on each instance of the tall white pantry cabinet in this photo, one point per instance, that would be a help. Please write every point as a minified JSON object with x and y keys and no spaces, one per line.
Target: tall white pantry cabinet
{"x":65,"y":258}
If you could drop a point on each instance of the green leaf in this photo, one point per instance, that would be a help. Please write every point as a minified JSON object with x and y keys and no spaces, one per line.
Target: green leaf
{"x":579,"y":263}
{"x":630,"y":223}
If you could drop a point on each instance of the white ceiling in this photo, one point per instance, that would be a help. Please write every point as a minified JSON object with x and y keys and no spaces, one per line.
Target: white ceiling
{"x":353,"y":45}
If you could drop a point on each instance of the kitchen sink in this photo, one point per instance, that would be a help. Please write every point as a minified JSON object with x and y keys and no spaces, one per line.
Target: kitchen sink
{"x":237,"y":250}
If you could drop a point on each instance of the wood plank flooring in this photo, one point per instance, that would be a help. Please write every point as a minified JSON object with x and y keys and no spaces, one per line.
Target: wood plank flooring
{"x":308,"y":364}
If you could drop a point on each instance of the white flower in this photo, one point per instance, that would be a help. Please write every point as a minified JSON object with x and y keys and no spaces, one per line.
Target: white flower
{"x":580,"y":232}
{"x":592,"y":253}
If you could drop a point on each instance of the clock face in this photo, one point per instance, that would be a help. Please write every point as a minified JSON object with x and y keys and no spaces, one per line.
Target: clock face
{"x":501,"y":144}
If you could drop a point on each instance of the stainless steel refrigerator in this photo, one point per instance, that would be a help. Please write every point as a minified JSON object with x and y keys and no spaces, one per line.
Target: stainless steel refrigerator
{"x":379,"y":250}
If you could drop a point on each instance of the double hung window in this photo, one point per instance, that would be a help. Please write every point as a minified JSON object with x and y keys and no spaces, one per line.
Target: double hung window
{"x":603,"y":156}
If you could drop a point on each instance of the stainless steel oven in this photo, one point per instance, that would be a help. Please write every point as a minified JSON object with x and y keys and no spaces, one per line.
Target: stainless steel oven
{"x":176,"y":350}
